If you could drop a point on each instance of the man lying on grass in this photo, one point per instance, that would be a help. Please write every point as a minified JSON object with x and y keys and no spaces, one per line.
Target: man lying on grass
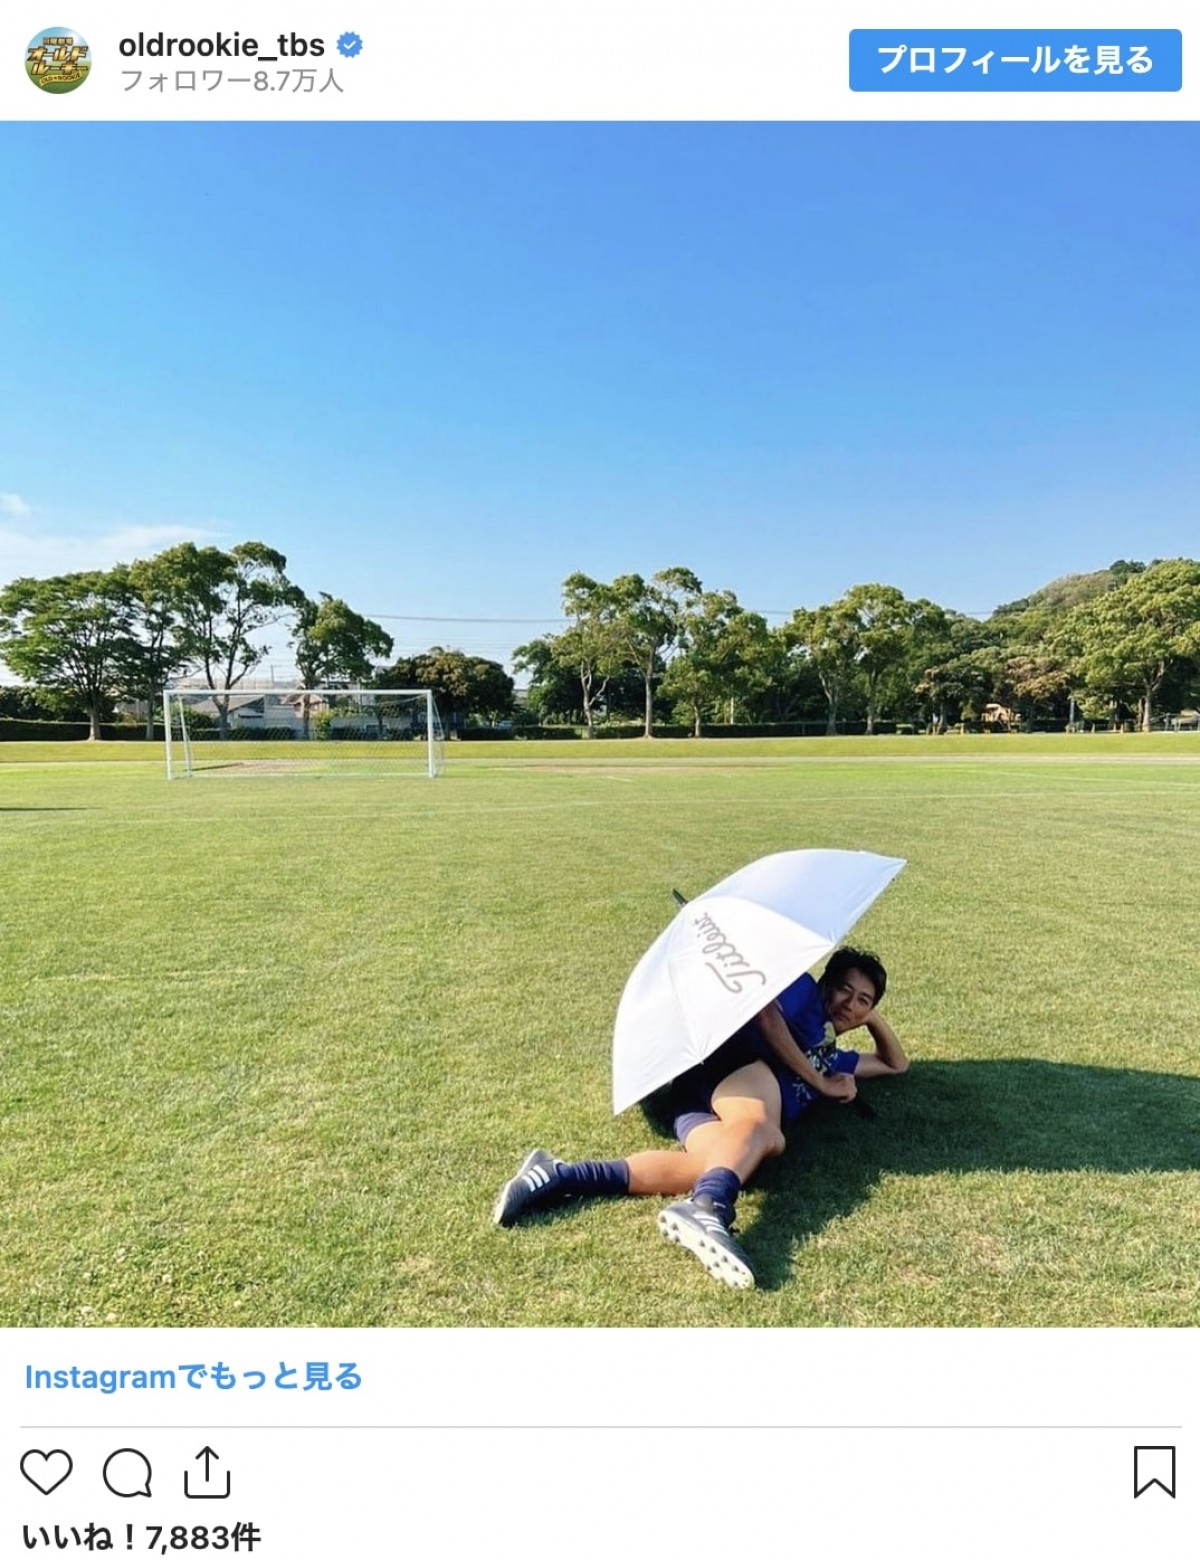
{"x":730,"y":1111}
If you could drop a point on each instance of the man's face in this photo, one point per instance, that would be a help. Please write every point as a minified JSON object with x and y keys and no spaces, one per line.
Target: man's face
{"x":849,"y":1000}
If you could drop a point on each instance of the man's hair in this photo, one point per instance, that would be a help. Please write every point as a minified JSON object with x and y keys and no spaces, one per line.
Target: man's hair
{"x":846,"y":959}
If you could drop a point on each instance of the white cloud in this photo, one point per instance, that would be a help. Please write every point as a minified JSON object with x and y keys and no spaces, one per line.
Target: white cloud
{"x":14,"y":506}
{"x":25,"y":551}
{"x":142,"y":541}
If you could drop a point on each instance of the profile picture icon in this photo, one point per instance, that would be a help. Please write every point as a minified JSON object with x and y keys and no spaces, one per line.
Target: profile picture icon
{"x":57,"y":60}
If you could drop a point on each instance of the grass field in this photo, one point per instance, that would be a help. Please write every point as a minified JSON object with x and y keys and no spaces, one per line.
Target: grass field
{"x":271,"y":1045}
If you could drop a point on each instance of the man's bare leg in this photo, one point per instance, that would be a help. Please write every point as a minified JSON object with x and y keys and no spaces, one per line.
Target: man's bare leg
{"x":747,"y":1104}
{"x":747,"y":1107}
{"x":729,"y":1151}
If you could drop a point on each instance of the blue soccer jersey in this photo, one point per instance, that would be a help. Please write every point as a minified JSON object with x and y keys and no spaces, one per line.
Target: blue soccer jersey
{"x":805,"y":1013}
{"x":804,"y":1010}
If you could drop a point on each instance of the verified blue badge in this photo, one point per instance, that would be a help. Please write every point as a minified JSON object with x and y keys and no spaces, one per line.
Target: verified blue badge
{"x":349,"y":45}
{"x":57,"y":60}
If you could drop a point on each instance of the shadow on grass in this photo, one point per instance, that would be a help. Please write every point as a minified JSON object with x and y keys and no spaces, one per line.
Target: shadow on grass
{"x":959,"y":1117}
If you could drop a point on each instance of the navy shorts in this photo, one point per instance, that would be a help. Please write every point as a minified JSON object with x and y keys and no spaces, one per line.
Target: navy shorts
{"x":690,"y":1101}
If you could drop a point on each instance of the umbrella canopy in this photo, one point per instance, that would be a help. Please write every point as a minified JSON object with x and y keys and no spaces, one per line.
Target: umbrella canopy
{"x":730,"y":952}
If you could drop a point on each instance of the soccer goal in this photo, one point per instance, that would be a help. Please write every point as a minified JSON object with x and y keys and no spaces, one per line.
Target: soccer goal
{"x":302,"y":731}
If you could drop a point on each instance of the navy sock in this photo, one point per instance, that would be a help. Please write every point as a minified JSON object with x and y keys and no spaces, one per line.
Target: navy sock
{"x":721,"y":1188}
{"x":595,"y":1178}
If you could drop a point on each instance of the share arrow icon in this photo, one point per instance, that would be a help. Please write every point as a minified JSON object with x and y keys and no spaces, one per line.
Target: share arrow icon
{"x":205,"y":1487}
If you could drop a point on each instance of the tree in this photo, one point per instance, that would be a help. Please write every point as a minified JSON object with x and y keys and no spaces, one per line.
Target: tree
{"x":647,"y":617}
{"x":462,"y":685}
{"x":335,"y":647}
{"x":1061,"y":595}
{"x":629,"y":623}
{"x":1035,"y":680}
{"x":884,"y":628}
{"x":1127,"y":643}
{"x":753,"y":666}
{"x":959,"y":687}
{"x":592,"y":646}
{"x":17,"y":703}
{"x":71,"y":634}
{"x":828,"y":638}
{"x":553,"y":687}
{"x":723,"y":652}
{"x":222,"y":600}
{"x":781,"y":683}
{"x":958,"y":665}
{"x":153,"y":655}
{"x":1035,"y":676}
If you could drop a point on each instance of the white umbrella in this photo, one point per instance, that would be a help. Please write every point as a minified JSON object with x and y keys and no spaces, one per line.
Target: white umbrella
{"x":731,"y":951}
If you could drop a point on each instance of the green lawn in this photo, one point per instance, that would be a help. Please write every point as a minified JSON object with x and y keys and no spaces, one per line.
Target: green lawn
{"x":270,"y":1045}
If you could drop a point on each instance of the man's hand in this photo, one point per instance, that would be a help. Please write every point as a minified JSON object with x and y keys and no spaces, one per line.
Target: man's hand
{"x":838,"y":1086}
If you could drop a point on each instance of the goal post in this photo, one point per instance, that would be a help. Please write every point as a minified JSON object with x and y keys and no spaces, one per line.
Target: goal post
{"x":365,"y":732}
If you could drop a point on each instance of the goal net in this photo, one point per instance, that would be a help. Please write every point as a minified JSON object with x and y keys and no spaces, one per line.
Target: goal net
{"x":302,"y":731}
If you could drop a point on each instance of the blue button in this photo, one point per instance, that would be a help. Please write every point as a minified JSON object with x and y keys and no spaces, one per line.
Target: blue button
{"x":1008,"y":60}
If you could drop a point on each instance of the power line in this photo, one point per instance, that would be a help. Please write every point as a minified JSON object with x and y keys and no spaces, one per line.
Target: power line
{"x":767,"y":612}
{"x":398,"y":617}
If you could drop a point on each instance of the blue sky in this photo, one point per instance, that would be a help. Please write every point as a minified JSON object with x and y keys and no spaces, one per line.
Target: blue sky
{"x":441,"y":367}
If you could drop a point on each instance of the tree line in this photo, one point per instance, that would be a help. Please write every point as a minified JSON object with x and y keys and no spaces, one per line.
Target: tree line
{"x":88,"y":641}
{"x":1117,"y":645}
{"x":1120,"y":644}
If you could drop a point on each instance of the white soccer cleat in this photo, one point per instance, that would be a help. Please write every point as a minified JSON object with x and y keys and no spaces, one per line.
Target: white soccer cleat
{"x":535,"y":1185}
{"x":696,"y":1226}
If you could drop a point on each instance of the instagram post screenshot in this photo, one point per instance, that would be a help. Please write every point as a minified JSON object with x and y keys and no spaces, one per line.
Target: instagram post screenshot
{"x":599,"y":780}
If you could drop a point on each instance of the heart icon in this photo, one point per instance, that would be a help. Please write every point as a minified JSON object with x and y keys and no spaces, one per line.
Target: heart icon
{"x":46,"y":1470}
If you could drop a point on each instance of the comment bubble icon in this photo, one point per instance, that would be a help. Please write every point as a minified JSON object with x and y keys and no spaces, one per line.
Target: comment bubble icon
{"x":127,"y":1472}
